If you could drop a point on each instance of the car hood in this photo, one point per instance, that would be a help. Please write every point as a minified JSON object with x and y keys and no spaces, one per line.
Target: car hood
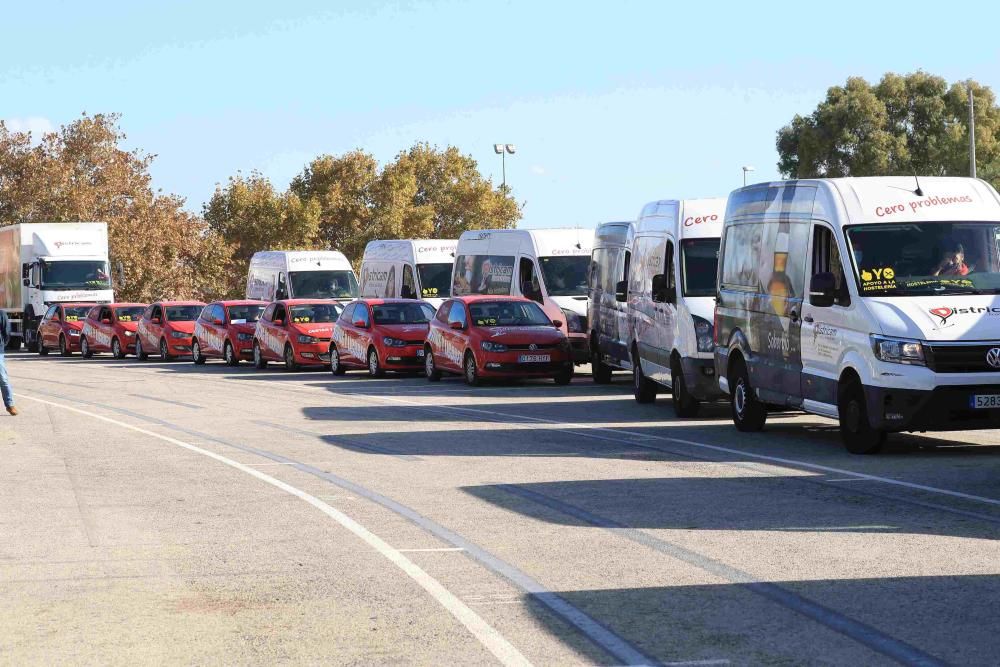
{"x":574,"y":304}
{"x":128,"y":326}
{"x":317,"y":330}
{"x":185,"y":327}
{"x":403,"y":331}
{"x":76,"y":326}
{"x":522,"y":335}
{"x":944,"y":318}
{"x":244,"y":327}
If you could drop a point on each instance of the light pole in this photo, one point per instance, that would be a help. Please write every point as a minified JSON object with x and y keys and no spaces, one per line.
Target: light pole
{"x":745,"y":170}
{"x":972,"y":132}
{"x":502,"y":150}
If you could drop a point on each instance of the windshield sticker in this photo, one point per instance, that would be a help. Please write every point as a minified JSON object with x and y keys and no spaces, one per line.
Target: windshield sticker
{"x":486,"y":322}
{"x":914,"y":206}
{"x":878,"y":279}
{"x":302,"y":320}
{"x":429,"y":291}
{"x":124,"y":318}
{"x":72,"y":318}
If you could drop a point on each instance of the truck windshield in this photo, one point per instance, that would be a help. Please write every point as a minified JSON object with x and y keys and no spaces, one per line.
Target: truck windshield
{"x":435,"y":280}
{"x":700,"y":262}
{"x":566,"y":276}
{"x":71,"y":274}
{"x":917,"y":259}
{"x":507,"y":314}
{"x":323,"y":284}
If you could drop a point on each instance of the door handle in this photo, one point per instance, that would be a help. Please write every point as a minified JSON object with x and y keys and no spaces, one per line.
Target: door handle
{"x":808,"y":318}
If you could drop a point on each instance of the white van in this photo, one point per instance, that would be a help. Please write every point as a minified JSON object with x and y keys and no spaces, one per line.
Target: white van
{"x":671,"y":290}
{"x":549,"y":266}
{"x":408,"y":269}
{"x":874,"y":301}
{"x":607,"y":313}
{"x":301,"y":274}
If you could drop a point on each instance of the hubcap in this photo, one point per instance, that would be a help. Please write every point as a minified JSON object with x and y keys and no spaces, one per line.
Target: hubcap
{"x":256,"y":354}
{"x":470,"y":369}
{"x":115,"y":347}
{"x":229,"y":352}
{"x":429,"y":364}
{"x":372,"y":363}
{"x":740,"y":398}
{"x":163,"y":349}
{"x":197,"y":350}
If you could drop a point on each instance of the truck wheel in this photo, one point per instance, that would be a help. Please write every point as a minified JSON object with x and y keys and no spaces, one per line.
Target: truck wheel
{"x":430,"y":368}
{"x":471,"y":372}
{"x":749,"y":414}
{"x":643,"y":388}
{"x":140,"y":354}
{"x":374,"y":367}
{"x":259,"y":362}
{"x":685,"y":405}
{"x":336,"y":367}
{"x":196,"y":356}
{"x":164,"y":351}
{"x":290,"y":364}
{"x":599,"y":371}
{"x":116,"y":348}
{"x":64,"y":350}
{"x":230,"y":355}
{"x":855,"y":428}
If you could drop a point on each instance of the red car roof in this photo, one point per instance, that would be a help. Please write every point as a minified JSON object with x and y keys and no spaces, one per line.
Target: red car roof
{"x":178,"y":303}
{"x":125,"y":304}
{"x":239,"y":302}
{"x":472,"y":298}
{"x":80,"y":305}
{"x":305,"y":302}
{"x":382,"y":302}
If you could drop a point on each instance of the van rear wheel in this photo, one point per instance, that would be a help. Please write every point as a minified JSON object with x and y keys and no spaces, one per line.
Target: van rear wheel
{"x":749,"y":414}
{"x":599,"y":371}
{"x":643,"y":388}
{"x":856,"y":430}
{"x":685,"y":405}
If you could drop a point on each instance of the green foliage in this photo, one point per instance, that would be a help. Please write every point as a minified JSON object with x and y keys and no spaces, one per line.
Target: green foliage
{"x":915,"y":123}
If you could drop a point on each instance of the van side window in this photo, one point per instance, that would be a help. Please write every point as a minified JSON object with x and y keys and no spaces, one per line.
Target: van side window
{"x":782,"y":265}
{"x":457,"y":313}
{"x":409,"y":290}
{"x":529,"y":280}
{"x":826,"y":259}
{"x":667,"y":293}
{"x":742,"y":256}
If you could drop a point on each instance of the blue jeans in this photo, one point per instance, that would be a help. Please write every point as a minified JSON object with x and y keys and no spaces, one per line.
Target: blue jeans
{"x":8,"y":394}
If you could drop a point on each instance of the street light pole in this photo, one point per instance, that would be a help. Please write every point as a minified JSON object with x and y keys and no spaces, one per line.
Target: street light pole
{"x":502,"y":150}
{"x":972,"y":133}
{"x":745,"y":170}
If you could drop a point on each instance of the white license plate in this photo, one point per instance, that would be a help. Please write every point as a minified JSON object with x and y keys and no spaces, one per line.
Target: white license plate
{"x":985,"y":401}
{"x":534,"y":358}
{"x":420,"y":353}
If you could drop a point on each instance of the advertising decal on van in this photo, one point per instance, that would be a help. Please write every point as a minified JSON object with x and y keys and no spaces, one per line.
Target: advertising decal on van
{"x":483,"y":274}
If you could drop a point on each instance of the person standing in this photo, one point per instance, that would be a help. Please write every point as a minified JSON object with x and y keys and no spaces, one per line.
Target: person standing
{"x":8,"y":394}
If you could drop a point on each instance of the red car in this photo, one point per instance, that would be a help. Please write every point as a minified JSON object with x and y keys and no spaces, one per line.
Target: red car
{"x":111,"y":328}
{"x":295,"y":331}
{"x":496,"y":336}
{"x":380,"y":335}
{"x":225,"y":331}
{"x":60,"y":328}
{"x":166,"y":328}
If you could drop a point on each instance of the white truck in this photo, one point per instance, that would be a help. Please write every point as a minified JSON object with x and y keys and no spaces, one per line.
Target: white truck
{"x":301,"y":274}
{"x":408,"y":268}
{"x":50,"y":262}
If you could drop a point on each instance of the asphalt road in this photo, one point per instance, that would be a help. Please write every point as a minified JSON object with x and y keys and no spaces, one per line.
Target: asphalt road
{"x":159,"y":512}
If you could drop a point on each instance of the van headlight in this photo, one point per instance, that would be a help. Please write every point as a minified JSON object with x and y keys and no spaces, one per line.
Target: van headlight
{"x":898,"y":350}
{"x":393,"y":342}
{"x":179,"y":334}
{"x":703,"y":334}
{"x":490,"y":346}
{"x":574,"y":323}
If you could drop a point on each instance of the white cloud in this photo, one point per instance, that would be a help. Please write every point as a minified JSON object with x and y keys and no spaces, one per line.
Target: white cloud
{"x":34,"y":124}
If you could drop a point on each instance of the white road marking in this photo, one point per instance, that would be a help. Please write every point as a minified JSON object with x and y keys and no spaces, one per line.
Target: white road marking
{"x":433,"y":549}
{"x":488,"y":636}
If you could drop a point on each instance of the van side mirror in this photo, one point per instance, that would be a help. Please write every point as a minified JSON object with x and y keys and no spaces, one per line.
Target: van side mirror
{"x":661,"y":291}
{"x":27,"y":282}
{"x":823,"y":290}
{"x":621,"y":291}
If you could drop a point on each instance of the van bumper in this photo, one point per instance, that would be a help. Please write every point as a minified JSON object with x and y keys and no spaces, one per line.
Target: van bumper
{"x":944,"y":408}
{"x":700,"y":378}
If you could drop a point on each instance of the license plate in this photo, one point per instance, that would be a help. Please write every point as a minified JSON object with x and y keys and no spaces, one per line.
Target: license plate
{"x":985,"y":401}
{"x":420,"y":353}
{"x":534,"y":358}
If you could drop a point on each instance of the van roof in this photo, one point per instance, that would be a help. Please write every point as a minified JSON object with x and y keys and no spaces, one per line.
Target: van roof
{"x":551,"y":241}
{"x":684,"y":217}
{"x":613,"y":233}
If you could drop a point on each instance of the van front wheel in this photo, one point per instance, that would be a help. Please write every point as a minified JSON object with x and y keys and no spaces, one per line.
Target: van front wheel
{"x":685,"y":405}
{"x":749,"y":414}
{"x":855,"y":428}
{"x":599,"y":371}
{"x":643,"y":388}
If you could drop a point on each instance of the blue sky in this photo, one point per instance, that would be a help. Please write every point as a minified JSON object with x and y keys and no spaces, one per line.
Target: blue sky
{"x":610,"y":104}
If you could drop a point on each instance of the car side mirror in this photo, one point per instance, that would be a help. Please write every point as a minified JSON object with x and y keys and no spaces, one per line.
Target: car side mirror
{"x":278,"y":323}
{"x":557,"y":324}
{"x":823,"y":290}
{"x":456,"y":325}
{"x":360,"y":324}
{"x":216,"y":321}
{"x":106,"y":321}
{"x":155,"y":320}
{"x":621,"y":291}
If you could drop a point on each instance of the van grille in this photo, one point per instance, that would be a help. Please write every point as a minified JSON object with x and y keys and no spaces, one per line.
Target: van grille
{"x":959,"y":358}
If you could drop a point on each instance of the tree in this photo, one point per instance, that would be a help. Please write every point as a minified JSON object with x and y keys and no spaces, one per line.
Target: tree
{"x":80,"y":173}
{"x":906,"y":124}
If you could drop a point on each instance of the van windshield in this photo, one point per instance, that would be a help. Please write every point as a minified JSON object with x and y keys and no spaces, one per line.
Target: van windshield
{"x":917,"y":259}
{"x":323,"y":284}
{"x":700,"y":259}
{"x":435,"y":280}
{"x":566,"y":276}
{"x":507,"y":314}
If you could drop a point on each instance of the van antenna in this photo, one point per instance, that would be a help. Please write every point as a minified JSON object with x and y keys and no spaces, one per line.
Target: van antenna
{"x":919,"y":192}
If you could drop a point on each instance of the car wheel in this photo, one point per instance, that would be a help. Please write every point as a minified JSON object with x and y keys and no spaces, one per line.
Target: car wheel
{"x":855,"y":428}
{"x":290,"y":364}
{"x":196,"y":356}
{"x":116,"y":349}
{"x":430,"y":369}
{"x":471,"y":372}
{"x":599,"y":371}
{"x":64,"y":347}
{"x":749,"y":414}
{"x":336,"y":367}
{"x":685,"y":405}
{"x":164,"y":352}
{"x":564,"y":378}
{"x":42,"y":350}
{"x":140,"y":354}
{"x":230,"y":355}
{"x":643,"y":388}
{"x":259,"y":362}
{"x":374,"y":367}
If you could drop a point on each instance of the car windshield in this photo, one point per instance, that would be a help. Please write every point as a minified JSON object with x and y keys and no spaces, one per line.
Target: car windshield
{"x":315,"y":313}
{"x":245,"y":314}
{"x":916,"y":259}
{"x":402,"y":313}
{"x":507,"y":314}
{"x":182,"y":313}
{"x":129,"y":313}
{"x":700,"y":259}
{"x":324,"y":284}
{"x":435,"y":280}
{"x":77,"y":313}
{"x":62,"y":274}
{"x":566,"y":276}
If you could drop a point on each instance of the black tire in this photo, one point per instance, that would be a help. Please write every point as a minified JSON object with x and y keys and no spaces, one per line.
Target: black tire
{"x":29,"y":327}
{"x":117,"y":351}
{"x":196,"y":356}
{"x":599,"y":371}
{"x":430,"y":368}
{"x":563,"y":378}
{"x":856,"y":430}
{"x":140,"y":354}
{"x":471,"y":371}
{"x":259,"y":362}
{"x":749,"y":414}
{"x":64,"y":350}
{"x":42,"y":350}
{"x":336,"y":367}
{"x":14,"y":344}
{"x":85,"y":350}
{"x":643,"y":388}
{"x":685,"y":405}
{"x":289,"y":356}
{"x":375,"y":369}
{"x":229,"y":355}
{"x":164,"y":351}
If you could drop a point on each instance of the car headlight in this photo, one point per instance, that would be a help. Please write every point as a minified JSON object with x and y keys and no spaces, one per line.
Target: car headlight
{"x":74,"y":332}
{"x":244,"y":336}
{"x":575,"y":323}
{"x":898,"y":350}
{"x":490,"y":346}
{"x":703,"y":334}
{"x":393,"y":342}
{"x":129,"y":334}
{"x":179,"y":334}
{"x":307,"y":339}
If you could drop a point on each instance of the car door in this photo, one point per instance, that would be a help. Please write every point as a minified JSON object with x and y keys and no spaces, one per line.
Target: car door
{"x":214,"y":323}
{"x":277,"y":335}
{"x":342,"y":334}
{"x":48,"y":328}
{"x":152,"y":329}
{"x":103,"y":331}
{"x":456,"y":338}
{"x":362,"y":334}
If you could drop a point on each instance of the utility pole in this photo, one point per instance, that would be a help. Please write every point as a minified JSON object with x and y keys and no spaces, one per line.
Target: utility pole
{"x":972,"y":132}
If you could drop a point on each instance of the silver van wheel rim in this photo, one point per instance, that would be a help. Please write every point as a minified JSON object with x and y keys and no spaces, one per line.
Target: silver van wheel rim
{"x":740,"y":398}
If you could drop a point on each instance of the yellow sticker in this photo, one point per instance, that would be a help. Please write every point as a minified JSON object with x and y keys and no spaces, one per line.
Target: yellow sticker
{"x":302,"y":320}
{"x":124,"y":318}
{"x":72,"y":318}
{"x":883,"y":278}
